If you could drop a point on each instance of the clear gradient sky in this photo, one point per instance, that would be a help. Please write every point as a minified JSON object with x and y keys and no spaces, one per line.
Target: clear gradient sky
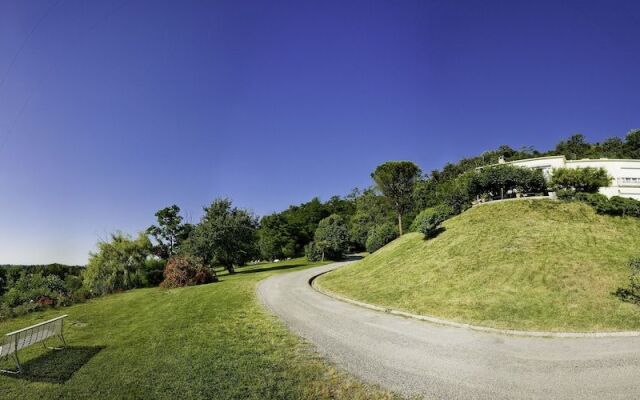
{"x":110,"y":110}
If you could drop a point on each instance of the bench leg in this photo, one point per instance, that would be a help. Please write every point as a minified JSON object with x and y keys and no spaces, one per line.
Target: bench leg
{"x":64,"y":343}
{"x":19,"y":366}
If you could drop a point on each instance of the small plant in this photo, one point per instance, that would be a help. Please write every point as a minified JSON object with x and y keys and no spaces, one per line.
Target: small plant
{"x":634,"y":276}
{"x":429,"y":220}
{"x":632,"y":293}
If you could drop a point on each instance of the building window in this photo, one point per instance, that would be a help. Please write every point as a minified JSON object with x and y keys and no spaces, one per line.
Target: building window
{"x":628,"y":181}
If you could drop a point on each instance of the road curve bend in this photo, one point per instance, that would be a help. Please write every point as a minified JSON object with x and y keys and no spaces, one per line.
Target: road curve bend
{"x":413,"y":357}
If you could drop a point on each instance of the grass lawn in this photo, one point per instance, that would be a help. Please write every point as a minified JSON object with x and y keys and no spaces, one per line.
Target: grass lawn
{"x":538,"y":265}
{"x":203,"y":342}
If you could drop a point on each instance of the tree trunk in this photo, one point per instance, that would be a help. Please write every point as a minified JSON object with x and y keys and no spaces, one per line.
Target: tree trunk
{"x":322,"y":258}
{"x":400,"y":223}
{"x":231,"y":269}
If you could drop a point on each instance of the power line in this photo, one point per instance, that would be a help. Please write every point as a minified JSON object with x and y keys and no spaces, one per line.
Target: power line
{"x":52,"y":65}
{"x":26,"y":39}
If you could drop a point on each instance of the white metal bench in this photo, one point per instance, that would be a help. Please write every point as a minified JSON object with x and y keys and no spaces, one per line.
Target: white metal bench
{"x":22,"y":338}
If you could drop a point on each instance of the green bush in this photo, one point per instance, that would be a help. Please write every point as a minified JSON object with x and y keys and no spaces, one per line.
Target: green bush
{"x":634,"y":276}
{"x":381,"y":235}
{"x":624,"y":206}
{"x":35,"y":288}
{"x":312,"y":252}
{"x":616,"y":205}
{"x":580,"y":179}
{"x":118,"y":265}
{"x":429,"y":220}
{"x":154,"y":270}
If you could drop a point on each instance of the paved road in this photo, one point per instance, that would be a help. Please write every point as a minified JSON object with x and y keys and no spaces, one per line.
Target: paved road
{"x":419,"y":358}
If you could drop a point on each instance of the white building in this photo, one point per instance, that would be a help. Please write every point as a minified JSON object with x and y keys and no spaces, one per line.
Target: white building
{"x":625,"y":173}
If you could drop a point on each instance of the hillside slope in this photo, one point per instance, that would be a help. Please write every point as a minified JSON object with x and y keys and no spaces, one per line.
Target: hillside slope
{"x":540,"y":265}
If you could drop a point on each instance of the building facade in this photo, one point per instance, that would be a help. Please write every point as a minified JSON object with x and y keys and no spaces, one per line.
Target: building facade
{"x":625,"y":173}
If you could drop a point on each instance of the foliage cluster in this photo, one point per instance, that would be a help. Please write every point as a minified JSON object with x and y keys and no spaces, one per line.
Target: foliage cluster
{"x":225,"y":236}
{"x":380,"y":235}
{"x":186,"y":271}
{"x":331,"y":239}
{"x":587,"y":180}
{"x":429,"y":220}
{"x":506,"y":181}
{"x":616,"y":205}
{"x":230,"y":237}
{"x":31,"y":291}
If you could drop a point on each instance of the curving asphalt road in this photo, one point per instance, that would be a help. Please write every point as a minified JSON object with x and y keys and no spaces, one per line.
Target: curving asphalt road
{"x":418,"y":358}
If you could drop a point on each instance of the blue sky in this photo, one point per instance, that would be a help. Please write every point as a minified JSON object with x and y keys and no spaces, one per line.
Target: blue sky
{"x":111,"y":110}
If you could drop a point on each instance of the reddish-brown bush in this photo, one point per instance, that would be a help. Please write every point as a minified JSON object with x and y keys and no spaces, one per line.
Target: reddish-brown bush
{"x":186,"y":271}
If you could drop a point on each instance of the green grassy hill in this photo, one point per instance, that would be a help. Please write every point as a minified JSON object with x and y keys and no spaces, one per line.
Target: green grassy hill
{"x":539,"y":265}
{"x":202,"y":342}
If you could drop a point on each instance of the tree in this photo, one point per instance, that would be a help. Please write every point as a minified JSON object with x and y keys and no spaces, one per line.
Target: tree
{"x":332,"y":237}
{"x":274,"y":238}
{"x":381,"y":235}
{"x":612,"y":148}
{"x":169,"y":232}
{"x":371,"y":210}
{"x":455,"y":193}
{"x":397,"y":180}
{"x":632,"y":144}
{"x":303,"y":220}
{"x":574,"y":148}
{"x":504,"y":179}
{"x":225,"y":236}
{"x":580,"y":179}
{"x":118,"y":264}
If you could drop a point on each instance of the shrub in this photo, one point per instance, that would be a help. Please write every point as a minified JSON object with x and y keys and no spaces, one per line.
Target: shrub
{"x":118,"y":264}
{"x":37,"y":289}
{"x":429,"y":220}
{"x":617,"y":206}
{"x":597,"y":200}
{"x":580,"y":179}
{"x":186,"y":271}
{"x":381,"y":235}
{"x":73,"y":283}
{"x":312,"y":252}
{"x":624,"y":206}
{"x":634,"y":276}
{"x":154,"y":271}
{"x":6,"y":312}
{"x":566,"y":195}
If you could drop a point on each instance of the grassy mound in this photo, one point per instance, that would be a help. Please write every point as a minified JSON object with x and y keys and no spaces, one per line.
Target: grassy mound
{"x":539,"y":265}
{"x":203,"y":342}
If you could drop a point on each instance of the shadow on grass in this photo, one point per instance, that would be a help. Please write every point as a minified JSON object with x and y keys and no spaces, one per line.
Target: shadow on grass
{"x":274,"y":268}
{"x":57,"y":366}
{"x":435,"y":233}
{"x":289,"y":266}
{"x":627,"y":296}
